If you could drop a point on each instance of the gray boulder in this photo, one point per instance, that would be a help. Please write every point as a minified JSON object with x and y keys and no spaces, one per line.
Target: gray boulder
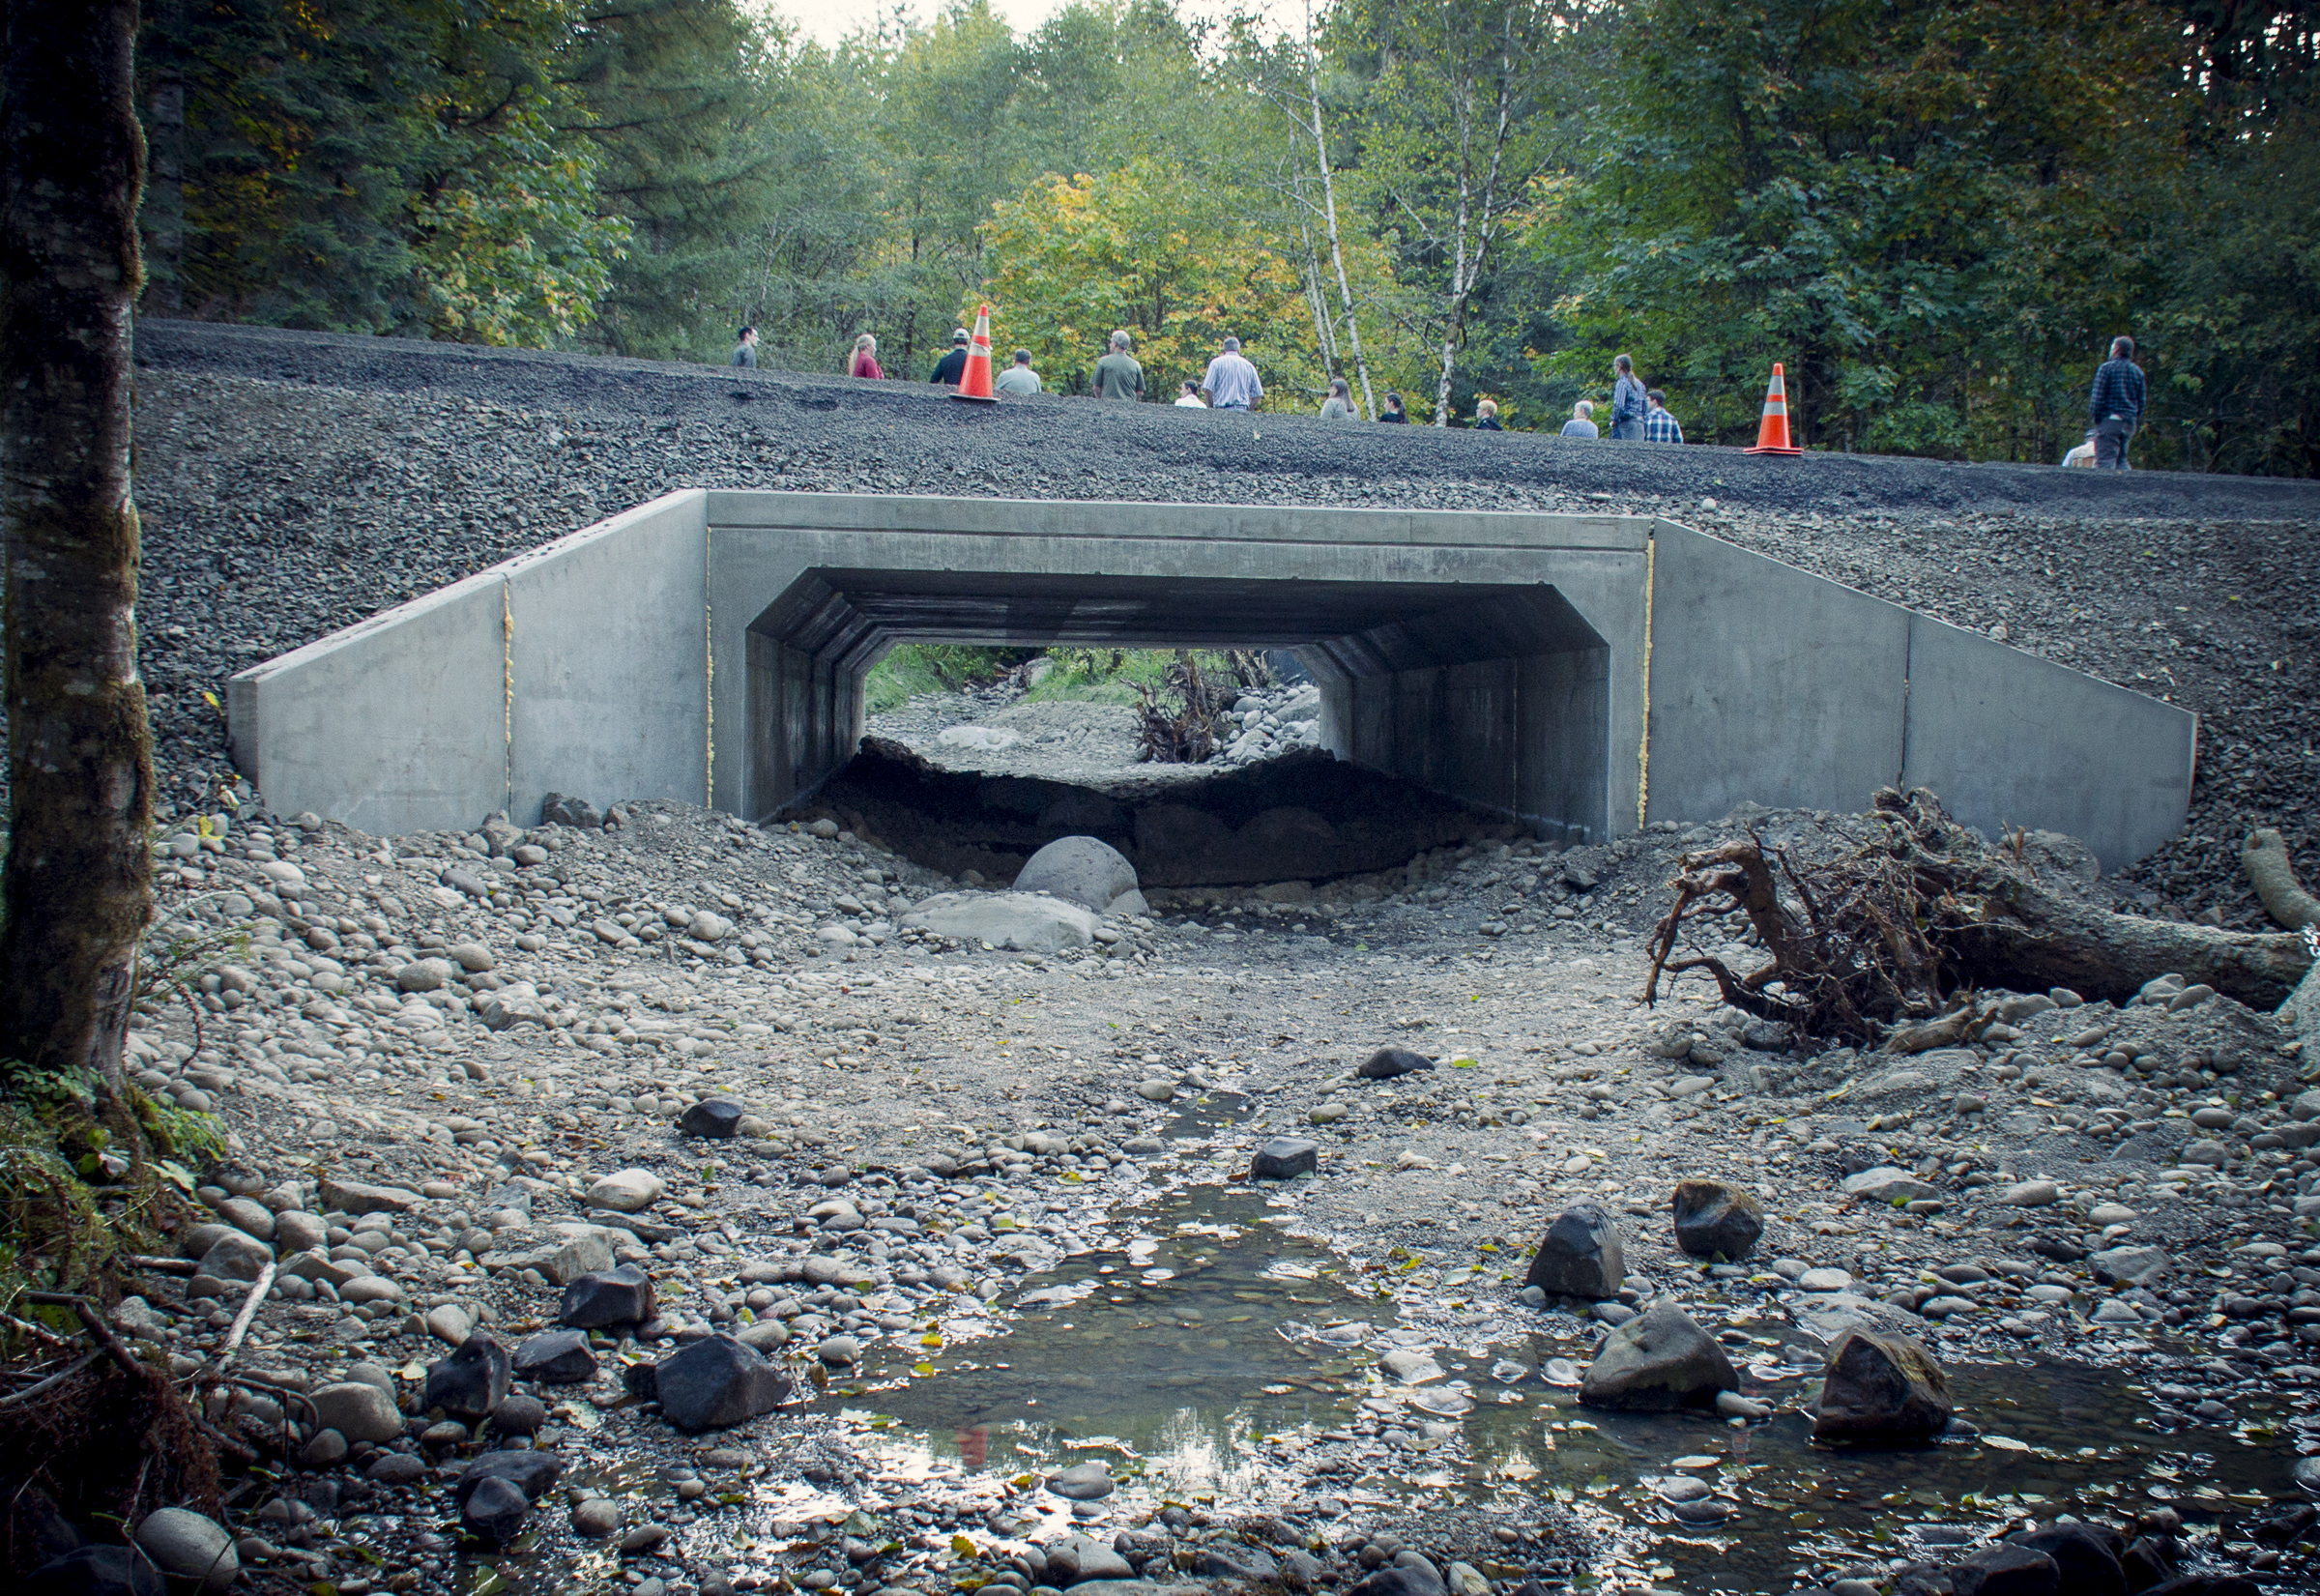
{"x":359,"y":1410}
{"x":1024,"y":922}
{"x":235,"y":1255}
{"x":1395,"y":1580}
{"x":1083,"y":1482}
{"x":1077,"y":1560}
{"x":1717,"y":1220}
{"x":714,"y":1383}
{"x":493,"y":1510}
{"x":472,"y":1381}
{"x":193,"y":1551}
{"x":556,"y":809}
{"x":1285,"y":1158}
{"x":2086,"y":1556}
{"x":608,"y":1297}
{"x":1083,"y":870}
{"x":556,"y":1357}
{"x":1389,"y":1061}
{"x":1579,"y":1255}
{"x":1656,"y":1362}
{"x":1881,"y":1385}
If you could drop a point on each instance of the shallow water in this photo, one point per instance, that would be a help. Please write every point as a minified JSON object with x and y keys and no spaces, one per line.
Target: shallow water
{"x":1214,"y":1348}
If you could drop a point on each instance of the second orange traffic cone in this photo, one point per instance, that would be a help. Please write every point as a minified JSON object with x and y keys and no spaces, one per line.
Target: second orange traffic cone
{"x":975,"y":383}
{"x":1772,"y":433}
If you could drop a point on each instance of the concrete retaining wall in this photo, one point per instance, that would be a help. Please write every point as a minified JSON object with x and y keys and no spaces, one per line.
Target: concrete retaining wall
{"x":712,"y":648}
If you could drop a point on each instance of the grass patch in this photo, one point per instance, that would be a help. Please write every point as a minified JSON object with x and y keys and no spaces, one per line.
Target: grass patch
{"x":1111,"y":675}
{"x":915,"y":668}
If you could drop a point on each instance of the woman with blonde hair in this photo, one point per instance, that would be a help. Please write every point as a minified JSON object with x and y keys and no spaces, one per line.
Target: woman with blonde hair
{"x":865,"y":359}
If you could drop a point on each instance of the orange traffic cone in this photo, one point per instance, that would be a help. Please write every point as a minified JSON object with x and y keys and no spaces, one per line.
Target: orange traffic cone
{"x":975,"y":383}
{"x":1772,"y":436}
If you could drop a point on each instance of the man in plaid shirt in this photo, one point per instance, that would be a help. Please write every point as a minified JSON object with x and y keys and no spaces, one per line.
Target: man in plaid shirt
{"x":1660,"y":427}
{"x":2116,"y":405}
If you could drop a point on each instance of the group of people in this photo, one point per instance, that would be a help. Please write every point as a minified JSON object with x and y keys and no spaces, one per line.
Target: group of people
{"x":1638,"y":414}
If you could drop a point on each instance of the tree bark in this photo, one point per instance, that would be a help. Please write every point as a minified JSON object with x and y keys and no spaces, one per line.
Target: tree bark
{"x":2040,"y":940}
{"x":77,"y":888}
{"x":2272,"y":875}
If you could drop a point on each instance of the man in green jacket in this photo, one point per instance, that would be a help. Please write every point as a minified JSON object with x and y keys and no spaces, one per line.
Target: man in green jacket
{"x":1117,"y":375}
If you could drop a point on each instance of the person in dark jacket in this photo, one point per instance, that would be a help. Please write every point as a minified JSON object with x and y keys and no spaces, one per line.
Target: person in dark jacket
{"x":2116,"y":405}
{"x":953,"y":365}
{"x":1628,"y":403}
{"x":744,"y":348}
{"x":1392,"y":411}
{"x":1486,"y":417}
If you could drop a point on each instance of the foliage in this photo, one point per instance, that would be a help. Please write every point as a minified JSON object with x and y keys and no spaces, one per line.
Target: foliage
{"x":915,"y":668}
{"x":1154,"y":251}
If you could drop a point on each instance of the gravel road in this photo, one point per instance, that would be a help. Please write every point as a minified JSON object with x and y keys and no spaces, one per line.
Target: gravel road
{"x":293,"y":483}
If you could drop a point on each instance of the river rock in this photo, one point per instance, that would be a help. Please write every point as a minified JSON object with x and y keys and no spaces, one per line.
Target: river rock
{"x":193,"y":1551}
{"x":529,"y":1469}
{"x":1024,"y":922}
{"x":1285,"y":1158}
{"x":2130,"y":1266}
{"x":611,"y":1296}
{"x":566,"y":1254}
{"x":1389,"y":1061}
{"x":97,"y":1571}
{"x":595,"y":1517}
{"x":493,"y":1509}
{"x":1714,"y":1219}
{"x":472,"y":1381}
{"x":357,"y":1197}
{"x":2031,"y":1194}
{"x":714,"y":1383}
{"x":712,"y":1119}
{"x":556,"y":1357}
{"x":2005,"y":1570}
{"x":629,"y":1191}
{"x":359,"y":1410}
{"x":518,"y":1415}
{"x":1881,"y":1385}
{"x":1579,"y":1255}
{"x":235,"y":1255}
{"x":1399,"y":1581}
{"x":423,"y":976}
{"x":1084,"y":870}
{"x":1658,"y":1361}
{"x":2086,"y":1556}
{"x":1077,"y":1560}
{"x":1083,"y":1482}
{"x":1887,"y":1184}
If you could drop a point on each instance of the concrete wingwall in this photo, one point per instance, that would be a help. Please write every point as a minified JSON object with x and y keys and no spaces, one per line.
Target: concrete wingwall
{"x":1584,"y":674}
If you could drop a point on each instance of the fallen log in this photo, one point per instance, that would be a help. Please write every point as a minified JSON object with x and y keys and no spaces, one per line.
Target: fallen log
{"x":2272,"y":875}
{"x":1871,"y":927}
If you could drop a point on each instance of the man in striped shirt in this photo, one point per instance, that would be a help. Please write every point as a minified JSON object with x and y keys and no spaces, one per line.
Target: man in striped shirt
{"x":1659,"y":426}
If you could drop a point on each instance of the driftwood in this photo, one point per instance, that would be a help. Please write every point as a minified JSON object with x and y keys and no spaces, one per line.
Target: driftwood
{"x":1872,"y":927}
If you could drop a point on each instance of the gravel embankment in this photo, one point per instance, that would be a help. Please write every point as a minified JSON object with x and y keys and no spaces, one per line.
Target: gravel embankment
{"x":294,"y":484}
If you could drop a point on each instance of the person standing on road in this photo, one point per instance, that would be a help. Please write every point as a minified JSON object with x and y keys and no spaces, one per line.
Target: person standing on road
{"x":2116,"y":405}
{"x":1628,"y":403}
{"x":1339,"y":405}
{"x":1018,"y":378}
{"x":1119,"y":375}
{"x":1486,"y":417}
{"x":1659,"y":426}
{"x":1581,"y":423}
{"x":1189,"y":398}
{"x":1232,"y":382}
{"x":953,"y":365}
{"x":744,"y":349}
{"x":865,"y":360}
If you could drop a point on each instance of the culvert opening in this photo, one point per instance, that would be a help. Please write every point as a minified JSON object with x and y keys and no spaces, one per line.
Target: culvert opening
{"x":1493,"y":700}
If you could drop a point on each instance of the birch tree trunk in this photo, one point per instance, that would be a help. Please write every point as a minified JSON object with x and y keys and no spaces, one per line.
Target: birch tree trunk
{"x":77,"y":888}
{"x":1337,"y":251}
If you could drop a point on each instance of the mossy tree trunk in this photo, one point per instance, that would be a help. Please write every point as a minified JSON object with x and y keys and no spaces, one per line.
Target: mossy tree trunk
{"x":76,"y":890}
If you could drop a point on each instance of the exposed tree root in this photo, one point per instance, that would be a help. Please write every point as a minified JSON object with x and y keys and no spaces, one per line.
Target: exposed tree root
{"x":2272,"y":875}
{"x":1877,"y":926}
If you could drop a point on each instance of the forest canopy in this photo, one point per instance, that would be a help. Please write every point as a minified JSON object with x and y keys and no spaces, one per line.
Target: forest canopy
{"x":1936,"y":213}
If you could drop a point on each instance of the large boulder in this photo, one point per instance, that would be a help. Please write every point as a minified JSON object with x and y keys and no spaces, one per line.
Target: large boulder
{"x":1656,"y":1362}
{"x":712,"y":1119}
{"x":1717,"y":1220}
{"x":1024,"y":922}
{"x":1083,"y":870}
{"x":1882,"y":1386}
{"x":96,"y":1571}
{"x":470,"y":1382}
{"x":1579,"y":1255}
{"x":1285,"y":1158}
{"x":714,"y":1383}
{"x":556,"y":1357}
{"x":497,"y":1490}
{"x":2087,"y":1556}
{"x":359,"y":1410}
{"x":1389,"y":1061}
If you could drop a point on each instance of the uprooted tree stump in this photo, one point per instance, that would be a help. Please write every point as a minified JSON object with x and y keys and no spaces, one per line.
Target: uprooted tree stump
{"x":1878,"y":922}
